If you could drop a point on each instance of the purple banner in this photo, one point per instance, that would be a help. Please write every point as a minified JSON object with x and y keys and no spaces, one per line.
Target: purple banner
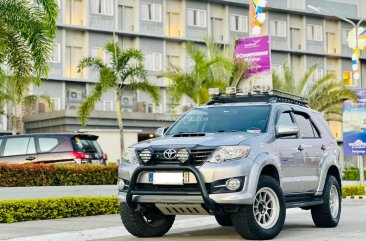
{"x":256,"y":51}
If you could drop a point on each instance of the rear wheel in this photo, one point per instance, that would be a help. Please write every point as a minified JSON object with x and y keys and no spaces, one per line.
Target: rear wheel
{"x":224,"y":219}
{"x":328,"y":214}
{"x":149,"y":223}
{"x":263,"y":219}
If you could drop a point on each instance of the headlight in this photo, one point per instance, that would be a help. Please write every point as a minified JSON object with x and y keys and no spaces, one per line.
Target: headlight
{"x":227,"y":153}
{"x":129,"y":155}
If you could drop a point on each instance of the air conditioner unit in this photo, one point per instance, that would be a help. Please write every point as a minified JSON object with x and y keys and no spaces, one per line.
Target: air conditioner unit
{"x":74,"y":95}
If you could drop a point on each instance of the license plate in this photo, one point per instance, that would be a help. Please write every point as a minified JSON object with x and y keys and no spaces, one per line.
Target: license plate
{"x":95,"y":161}
{"x":166,"y":178}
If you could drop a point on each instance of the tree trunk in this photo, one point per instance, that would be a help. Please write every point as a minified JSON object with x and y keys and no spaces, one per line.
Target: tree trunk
{"x":119,"y":120}
{"x":13,"y":120}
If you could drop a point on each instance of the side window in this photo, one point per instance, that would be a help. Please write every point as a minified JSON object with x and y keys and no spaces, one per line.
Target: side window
{"x":307,"y":129}
{"x":31,"y":146}
{"x":47,"y":143}
{"x":16,"y":146}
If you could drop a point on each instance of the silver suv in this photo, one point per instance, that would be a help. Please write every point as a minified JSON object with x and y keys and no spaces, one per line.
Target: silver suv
{"x":243,"y":159}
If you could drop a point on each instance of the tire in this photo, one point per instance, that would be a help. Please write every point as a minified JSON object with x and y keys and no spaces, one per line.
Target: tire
{"x":150,"y":223}
{"x":251,"y":226}
{"x":224,"y":219}
{"x":328,"y":214}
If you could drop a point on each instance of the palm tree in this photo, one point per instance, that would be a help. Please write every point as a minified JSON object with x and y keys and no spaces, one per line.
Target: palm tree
{"x":233,"y":70}
{"x":326,"y":94}
{"x":125,"y":72}
{"x":27,"y":30}
{"x":195,"y":82}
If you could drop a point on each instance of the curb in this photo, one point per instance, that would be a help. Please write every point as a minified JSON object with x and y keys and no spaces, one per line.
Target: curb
{"x":357,"y":197}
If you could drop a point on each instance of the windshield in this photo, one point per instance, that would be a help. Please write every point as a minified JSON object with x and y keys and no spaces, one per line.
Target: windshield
{"x":252,"y":119}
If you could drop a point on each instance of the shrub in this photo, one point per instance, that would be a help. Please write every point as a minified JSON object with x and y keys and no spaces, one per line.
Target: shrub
{"x":353,"y":190}
{"x":51,"y":208}
{"x":351,"y":174}
{"x":57,"y":175}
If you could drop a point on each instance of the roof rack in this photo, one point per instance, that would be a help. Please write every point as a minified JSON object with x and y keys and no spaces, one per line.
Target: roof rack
{"x":272,"y":97}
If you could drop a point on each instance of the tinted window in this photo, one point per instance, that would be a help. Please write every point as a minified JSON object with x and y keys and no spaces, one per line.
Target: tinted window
{"x":47,"y":143}
{"x":223,"y":118}
{"x":19,"y":146}
{"x":305,"y":126}
{"x":84,"y":145}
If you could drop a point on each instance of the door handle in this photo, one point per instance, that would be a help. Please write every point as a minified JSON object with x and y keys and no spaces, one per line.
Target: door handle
{"x":323,"y":147}
{"x":31,"y":158}
{"x":300,"y":148}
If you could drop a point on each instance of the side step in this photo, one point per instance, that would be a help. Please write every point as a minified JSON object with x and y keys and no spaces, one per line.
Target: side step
{"x":302,"y":200}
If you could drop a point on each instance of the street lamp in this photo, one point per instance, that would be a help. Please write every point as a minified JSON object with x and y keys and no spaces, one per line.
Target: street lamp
{"x":355,"y":26}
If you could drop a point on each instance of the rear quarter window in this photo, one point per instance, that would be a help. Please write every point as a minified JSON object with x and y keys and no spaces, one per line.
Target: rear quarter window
{"x":47,"y":144}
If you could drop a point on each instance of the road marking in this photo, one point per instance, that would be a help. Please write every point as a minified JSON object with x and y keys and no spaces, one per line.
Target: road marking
{"x":357,"y":197}
{"x":115,"y":232}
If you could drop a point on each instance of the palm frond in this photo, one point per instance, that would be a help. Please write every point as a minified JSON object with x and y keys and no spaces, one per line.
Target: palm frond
{"x":301,"y":87}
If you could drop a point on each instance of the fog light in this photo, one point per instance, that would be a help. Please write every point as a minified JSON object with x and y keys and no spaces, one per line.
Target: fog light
{"x":145,"y":155}
{"x":120,"y":184}
{"x":183,"y":155}
{"x":232,"y":184}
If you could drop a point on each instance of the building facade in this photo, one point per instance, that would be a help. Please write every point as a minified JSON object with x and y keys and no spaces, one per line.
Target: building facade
{"x":161,"y":29}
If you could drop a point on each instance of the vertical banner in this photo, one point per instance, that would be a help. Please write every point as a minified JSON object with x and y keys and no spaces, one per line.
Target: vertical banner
{"x":257,"y":52}
{"x":256,"y":15}
{"x":354,"y":129}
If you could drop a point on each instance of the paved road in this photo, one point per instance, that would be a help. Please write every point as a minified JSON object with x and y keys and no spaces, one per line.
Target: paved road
{"x":298,"y":226}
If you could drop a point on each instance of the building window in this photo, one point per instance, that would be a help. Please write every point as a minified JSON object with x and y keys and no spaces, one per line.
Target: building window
{"x":56,"y":54}
{"x":56,"y":104}
{"x":345,"y":33}
{"x":278,"y":28}
{"x":277,"y":69}
{"x":347,"y":78}
{"x":108,"y":105}
{"x":153,"y":61}
{"x":73,"y":56}
{"x":104,"y":7}
{"x":314,"y":32}
{"x":102,"y":55}
{"x":317,"y":75}
{"x":239,"y":23}
{"x":197,"y":18}
{"x":151,"y":12}
{"x":172,"y":60}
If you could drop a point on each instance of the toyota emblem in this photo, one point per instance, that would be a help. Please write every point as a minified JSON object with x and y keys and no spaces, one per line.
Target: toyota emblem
{"x":170,"y":153}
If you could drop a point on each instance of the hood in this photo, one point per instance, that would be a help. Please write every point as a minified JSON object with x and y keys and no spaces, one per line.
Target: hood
{"x":208,"y":139}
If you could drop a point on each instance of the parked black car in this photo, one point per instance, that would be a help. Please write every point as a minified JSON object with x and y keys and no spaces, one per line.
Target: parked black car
{"x":51,"y":148}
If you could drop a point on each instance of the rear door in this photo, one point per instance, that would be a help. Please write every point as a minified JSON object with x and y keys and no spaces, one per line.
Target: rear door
{"x":313,"y":150}
{"x":18,"y":150}
{"x":54,"y":149}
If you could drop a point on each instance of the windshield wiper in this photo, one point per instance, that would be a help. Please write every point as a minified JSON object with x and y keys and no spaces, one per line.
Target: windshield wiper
{"x":228,"y":131}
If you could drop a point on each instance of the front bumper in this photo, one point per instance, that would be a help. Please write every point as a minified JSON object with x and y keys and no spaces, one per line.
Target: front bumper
{"x":202,"y":175}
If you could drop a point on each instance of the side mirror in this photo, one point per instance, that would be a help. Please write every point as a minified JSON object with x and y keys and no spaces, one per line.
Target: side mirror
{"x":286,"y":130}
{"x":161,"y":131}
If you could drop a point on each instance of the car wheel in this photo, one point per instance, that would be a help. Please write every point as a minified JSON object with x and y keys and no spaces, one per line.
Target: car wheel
{"x":328,"y":214}
{"x":263,"y":219}
{"x":224,"y":219}
{"x":149,"y":223}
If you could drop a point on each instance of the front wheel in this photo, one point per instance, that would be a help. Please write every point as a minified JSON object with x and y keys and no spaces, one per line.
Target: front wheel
{"x":224,"y":219}
{"x":149,"y":223}
{"x":328,"y":214}
{"x":263,"y":219}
